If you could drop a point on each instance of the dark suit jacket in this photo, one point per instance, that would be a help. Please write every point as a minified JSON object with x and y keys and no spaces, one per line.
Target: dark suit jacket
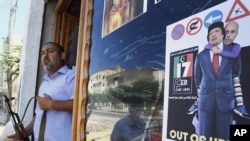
{"x":216,"y":87}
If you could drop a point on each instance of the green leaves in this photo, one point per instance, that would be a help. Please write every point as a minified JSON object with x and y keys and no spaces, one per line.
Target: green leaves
{"x":10,"y":59}
{"x":139,"y":91}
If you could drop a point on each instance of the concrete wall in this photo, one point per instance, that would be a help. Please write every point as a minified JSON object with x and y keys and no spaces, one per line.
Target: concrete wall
{"x":29,"y":58}
{"x":40,"y":22}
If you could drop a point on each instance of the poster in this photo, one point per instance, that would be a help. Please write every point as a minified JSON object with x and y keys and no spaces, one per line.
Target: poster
{"x":119,"y":12}
{"x":185,"y":40}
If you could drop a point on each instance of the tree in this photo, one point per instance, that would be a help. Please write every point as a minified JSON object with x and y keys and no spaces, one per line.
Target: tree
{"x":9,"y":60}
{"x":140,"y":90}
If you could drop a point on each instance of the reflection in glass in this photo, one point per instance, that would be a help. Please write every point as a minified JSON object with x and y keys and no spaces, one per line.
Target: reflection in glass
{"x":125,"y":100}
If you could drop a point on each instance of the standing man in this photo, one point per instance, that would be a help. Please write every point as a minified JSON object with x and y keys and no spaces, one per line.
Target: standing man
{"x":55,"y":97}
{"x":216,"y":98}
{"x":232,"y":29}
{"x":131,"y":127}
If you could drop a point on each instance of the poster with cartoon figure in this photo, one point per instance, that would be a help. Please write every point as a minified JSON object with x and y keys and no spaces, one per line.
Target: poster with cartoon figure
{"x":207,"y":74}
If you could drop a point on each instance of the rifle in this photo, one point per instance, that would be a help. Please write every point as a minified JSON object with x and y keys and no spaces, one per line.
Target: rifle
{"x":17,"y":123}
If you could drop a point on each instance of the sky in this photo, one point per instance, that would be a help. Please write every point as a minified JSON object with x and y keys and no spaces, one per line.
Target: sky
{"x":19,"y":19}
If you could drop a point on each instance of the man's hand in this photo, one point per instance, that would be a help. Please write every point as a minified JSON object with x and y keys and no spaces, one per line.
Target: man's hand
{"x":45,"y":102}
{"x":216,"y":50}
{"x":12,"y":137}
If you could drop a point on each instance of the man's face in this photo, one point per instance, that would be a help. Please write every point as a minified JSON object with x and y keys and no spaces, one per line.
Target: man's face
{"x":231,"y":33}
{"x":51,"y":58}
{"x":135,"y":112}
{"x":215,"y":36}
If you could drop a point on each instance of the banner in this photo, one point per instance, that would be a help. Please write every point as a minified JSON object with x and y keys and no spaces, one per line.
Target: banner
{"x":188,"y":76}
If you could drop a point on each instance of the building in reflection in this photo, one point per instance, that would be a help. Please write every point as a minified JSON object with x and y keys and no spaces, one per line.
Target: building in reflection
{"x":103,"y":80}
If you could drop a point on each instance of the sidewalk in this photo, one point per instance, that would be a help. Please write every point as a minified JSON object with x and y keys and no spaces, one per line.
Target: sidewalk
{"x":3,"y":117}
{"x":3,"y":120}
{"x":1,"y":128}
{"x":5,"y":130}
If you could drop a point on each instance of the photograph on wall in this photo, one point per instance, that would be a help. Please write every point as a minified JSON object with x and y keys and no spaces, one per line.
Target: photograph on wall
{"x":205,"y":100}
{"x":119,"y":12}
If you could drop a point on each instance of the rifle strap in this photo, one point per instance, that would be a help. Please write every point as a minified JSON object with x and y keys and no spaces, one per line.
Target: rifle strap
{"x":42,"y":127}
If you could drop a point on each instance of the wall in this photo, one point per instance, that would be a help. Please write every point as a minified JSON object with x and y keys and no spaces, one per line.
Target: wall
{"x":38,"y":30}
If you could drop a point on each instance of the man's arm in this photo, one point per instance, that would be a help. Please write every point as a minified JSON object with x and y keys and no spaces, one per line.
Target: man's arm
{"x":208,"y":46}
{"x":29,"y":128}
{"x":115,"y":135}
{"x":197,"y":72}
{"x":237,"y":66}
{"x":46,"y":103}
{"x":232,"y":54}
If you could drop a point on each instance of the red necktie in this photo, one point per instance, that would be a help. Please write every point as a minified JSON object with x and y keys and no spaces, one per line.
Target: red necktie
{"x":216,"y":63}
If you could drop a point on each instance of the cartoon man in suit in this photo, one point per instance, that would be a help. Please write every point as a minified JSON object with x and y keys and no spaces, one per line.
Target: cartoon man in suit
{"x":216,"y":98}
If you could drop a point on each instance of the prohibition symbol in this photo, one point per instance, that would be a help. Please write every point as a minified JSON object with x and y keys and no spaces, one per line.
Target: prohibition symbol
{"x":194,"y":26}
{"x":178,"y":31}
